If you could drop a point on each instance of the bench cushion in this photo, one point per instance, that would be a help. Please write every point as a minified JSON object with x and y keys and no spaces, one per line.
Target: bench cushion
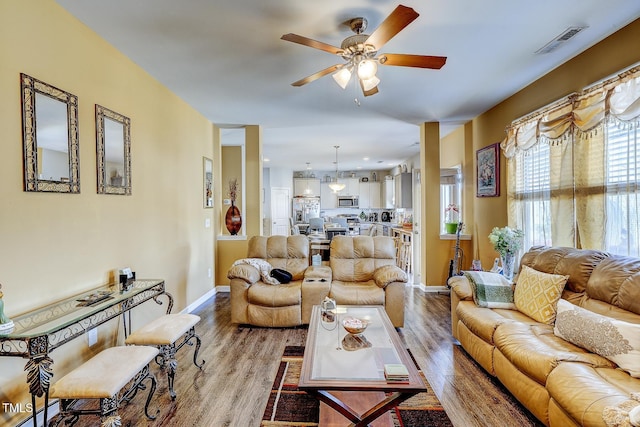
{"x":105,"y":374}
{"x":164,"y":330}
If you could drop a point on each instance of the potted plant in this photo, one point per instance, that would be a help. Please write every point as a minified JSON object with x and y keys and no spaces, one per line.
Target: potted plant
{"x":451,"y":218}
{"x":507,"y":242}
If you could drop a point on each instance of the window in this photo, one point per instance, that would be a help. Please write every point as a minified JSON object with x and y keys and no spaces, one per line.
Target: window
{"x":622,"y":195}
{"x":574,"y":169}
{"x":533,"y":189}
{"x":450,"y":194}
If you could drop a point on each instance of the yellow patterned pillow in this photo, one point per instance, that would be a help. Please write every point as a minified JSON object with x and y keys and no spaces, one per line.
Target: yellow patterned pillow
{"x":537,"y":294}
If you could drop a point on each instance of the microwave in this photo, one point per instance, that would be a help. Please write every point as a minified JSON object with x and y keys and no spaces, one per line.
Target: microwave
{"x":347,"y":201}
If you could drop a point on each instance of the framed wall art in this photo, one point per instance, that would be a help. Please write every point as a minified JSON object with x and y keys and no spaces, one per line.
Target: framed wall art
{"x":207,"y":174}
{"x":488,"y":171}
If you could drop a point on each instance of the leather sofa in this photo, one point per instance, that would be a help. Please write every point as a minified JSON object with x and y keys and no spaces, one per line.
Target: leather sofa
{"x":562,"y":384}
{"x":362,"y":271}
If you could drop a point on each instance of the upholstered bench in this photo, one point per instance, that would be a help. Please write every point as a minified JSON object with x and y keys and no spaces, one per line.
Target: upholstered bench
{"x":104,"y":377}
{"x":163,"y":333}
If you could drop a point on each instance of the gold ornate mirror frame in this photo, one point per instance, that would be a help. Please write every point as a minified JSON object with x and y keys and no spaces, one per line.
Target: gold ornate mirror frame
{"x":113,"y":151}
{"x":34,"y":179}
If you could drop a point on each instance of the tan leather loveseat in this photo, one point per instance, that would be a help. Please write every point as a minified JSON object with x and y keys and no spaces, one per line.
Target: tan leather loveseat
{"x":364,"y":272}
{"x":562,"y":384}
{"x":254,"y":302}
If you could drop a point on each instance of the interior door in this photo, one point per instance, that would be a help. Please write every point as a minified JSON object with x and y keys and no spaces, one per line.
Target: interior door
{"x":280,"y":211}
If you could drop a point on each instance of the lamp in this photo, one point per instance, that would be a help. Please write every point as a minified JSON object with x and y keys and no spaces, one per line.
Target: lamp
{"x":342,"y":77}
{"x":367,"y":69}
{"x":307,"y":190}
{"x":335,"y":186}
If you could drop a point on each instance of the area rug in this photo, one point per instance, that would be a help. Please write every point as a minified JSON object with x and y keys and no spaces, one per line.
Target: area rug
{"x":288,"y":406}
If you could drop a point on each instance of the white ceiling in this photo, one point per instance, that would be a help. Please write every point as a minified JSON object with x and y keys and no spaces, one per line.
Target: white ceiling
{"x":225,"y":58}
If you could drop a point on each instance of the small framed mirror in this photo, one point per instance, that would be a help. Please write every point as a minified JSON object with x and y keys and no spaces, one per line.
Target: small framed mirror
{"x":49,"y":137}
{"x":113,"y":143}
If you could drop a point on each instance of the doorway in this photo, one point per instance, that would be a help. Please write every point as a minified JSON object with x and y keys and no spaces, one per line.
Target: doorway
{"x":280,"y":211}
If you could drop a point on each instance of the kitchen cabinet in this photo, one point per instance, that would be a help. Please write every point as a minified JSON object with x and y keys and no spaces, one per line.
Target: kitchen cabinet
{"x":351,"y":186}
{"x":388,"y":191}
{"x":306,"y":187}
{"x":369,"y":193}
{"x":328,"y":199}
{"x":403,"y":190}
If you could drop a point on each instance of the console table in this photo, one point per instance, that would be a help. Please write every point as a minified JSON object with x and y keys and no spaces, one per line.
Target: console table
{"x":39,"y":332}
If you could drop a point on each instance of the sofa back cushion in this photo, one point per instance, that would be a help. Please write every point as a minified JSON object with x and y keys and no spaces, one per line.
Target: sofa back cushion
{"x":616,"y":281}
{"x":578,"y":264}
{"x":288,"y":253}
{"x":355,"y":258}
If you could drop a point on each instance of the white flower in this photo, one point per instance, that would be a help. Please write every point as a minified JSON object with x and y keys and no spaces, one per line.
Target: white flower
{"x":506,"y":240}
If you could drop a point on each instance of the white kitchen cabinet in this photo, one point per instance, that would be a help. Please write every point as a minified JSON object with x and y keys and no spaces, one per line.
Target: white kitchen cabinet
{"x":403,"y":190}
{"x":306,"y":187}
{"x":370,"y":195}
{"x":328,"y":199}
{"x":388,"y":192}
{"x":351,"y":186}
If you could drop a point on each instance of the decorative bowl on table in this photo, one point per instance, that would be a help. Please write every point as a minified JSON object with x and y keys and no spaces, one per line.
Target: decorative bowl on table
{"x":354,"y":325}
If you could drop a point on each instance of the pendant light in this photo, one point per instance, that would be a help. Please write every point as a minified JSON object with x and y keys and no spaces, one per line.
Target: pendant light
{"x":335,"y":185}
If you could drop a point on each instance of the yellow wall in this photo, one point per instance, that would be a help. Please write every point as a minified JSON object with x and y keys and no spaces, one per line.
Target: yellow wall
{"x":619,"y":51}
{"x":55,"y":245}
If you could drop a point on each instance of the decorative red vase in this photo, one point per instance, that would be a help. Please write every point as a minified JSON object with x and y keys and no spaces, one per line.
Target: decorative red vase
{"x":233,"y":219}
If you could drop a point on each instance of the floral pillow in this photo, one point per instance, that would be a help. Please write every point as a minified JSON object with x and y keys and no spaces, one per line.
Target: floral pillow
{"x":613,"y":339}
{"x":537,"y":294}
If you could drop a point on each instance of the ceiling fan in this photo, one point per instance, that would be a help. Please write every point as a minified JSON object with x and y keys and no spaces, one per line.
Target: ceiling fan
{"x":360,"y":52}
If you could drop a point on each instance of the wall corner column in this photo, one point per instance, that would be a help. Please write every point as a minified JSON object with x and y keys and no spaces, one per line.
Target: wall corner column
{"x":432,"y":259}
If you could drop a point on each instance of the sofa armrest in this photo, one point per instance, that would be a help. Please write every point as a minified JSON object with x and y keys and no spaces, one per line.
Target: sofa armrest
{"x":245,"y":272}
{"x":318,"y":272}
{"x":389,"y":274}
{"x":461,"y":286}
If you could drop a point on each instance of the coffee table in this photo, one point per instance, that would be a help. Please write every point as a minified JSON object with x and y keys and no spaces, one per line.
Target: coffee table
{"x":346,"y":372}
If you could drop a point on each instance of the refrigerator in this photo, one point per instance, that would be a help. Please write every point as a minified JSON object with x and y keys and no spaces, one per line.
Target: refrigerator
{"x":305,"y":208}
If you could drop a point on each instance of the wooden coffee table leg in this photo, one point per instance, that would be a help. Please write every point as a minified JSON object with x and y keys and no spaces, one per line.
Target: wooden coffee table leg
{"x":362,"y":409}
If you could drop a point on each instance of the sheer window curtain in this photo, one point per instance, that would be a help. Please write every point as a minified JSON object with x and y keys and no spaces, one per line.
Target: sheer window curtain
{"x":573,"y":169}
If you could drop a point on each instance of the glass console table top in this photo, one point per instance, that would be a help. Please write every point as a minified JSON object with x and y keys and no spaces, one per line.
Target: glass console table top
{"x":74,"y":309}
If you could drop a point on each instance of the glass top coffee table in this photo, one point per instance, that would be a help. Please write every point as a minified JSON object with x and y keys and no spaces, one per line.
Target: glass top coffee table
{"x":347,"y":371}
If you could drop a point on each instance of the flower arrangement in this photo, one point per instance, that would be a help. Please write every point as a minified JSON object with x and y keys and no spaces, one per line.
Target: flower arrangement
{"x":233,"y":189}
{"x":506,"y":240}
{"x":452,"y":214}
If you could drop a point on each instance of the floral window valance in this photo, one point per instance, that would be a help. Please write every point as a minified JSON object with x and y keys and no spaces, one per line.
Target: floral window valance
{"x":581,"y":113}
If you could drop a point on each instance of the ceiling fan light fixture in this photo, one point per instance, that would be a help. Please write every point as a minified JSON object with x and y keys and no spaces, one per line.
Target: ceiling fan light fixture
{"x":342,"y":77}
{"x":369,"y":84}
{"x":367,"y":69}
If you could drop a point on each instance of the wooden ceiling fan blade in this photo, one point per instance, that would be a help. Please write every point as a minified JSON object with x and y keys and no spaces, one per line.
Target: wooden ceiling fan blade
{"x":317,"y":75}
{"x":419,"y":61}
{"x":392,"y":25}
{"x":305,"y":41}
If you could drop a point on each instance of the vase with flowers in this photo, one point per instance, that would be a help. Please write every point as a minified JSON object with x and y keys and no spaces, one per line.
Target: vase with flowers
{"x":507,"y":242}
{"x":233,"y":219}
{"x":451,"y":218}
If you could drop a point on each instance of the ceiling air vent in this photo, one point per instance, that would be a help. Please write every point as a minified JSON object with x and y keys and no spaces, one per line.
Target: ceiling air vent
{"x":556,"y":42}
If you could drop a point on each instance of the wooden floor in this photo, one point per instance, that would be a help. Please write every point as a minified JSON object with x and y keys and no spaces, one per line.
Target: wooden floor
{"x":241,"y":363}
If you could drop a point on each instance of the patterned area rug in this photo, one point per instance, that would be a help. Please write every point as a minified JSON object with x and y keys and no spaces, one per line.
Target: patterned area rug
{"x":288,"y":406}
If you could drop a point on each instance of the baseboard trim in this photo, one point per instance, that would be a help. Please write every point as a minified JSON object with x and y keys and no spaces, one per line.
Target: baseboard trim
{"x":197,"y":303}
{"x":435,"y":289}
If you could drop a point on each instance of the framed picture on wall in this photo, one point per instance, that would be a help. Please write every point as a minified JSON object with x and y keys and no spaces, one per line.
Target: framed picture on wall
{"x":207,"y":173}
{"x":488,"y":171}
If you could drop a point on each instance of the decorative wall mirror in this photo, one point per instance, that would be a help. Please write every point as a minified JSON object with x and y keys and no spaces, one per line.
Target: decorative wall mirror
{"x":113,"y":134}
{"x":49,"y":137}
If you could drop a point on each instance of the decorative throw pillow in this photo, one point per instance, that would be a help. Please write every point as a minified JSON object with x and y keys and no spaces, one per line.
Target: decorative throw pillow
{"x":537,"y":294}
{"x":490,"y":290}
{"x":613,"y":339}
